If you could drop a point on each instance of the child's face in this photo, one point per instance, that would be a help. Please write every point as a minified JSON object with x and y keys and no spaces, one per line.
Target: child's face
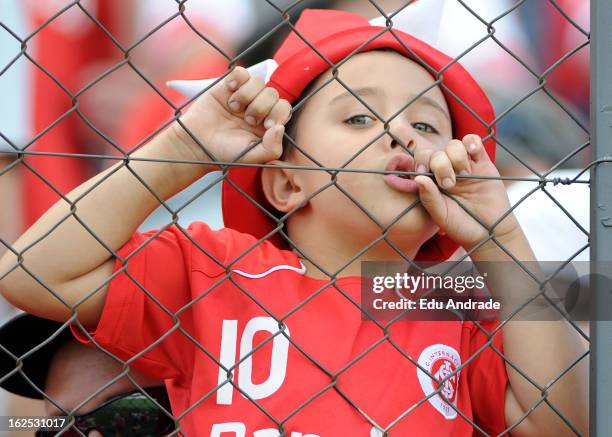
{"x":333,"y":127}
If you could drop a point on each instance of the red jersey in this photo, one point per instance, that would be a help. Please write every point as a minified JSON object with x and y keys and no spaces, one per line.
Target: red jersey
{"x":200,"y":306}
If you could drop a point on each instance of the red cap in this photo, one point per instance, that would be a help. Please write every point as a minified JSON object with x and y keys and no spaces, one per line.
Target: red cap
{"x":335,"y":35}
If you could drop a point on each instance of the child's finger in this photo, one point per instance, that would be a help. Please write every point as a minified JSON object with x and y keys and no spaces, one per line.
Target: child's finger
{"x":432,"y":199}
{"x":223,"y":89}
{"x":259,"y":108}
{"x":280,"y":114}
{"x":236,"y":78}
{"x":273,"y":143}
{"x":422,"y":156}
{"x":475,"y":147}
{"x":245,"y":94}
{"x":269,"y":148}
{"x":459,"y":157}
{"x":442,"y":169}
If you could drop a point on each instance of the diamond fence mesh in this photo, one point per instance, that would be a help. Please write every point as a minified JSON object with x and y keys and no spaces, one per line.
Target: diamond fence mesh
{"x":275,"y":327}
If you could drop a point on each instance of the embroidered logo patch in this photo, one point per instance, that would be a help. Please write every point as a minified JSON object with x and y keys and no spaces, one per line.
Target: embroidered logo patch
{"x":440,"y":361}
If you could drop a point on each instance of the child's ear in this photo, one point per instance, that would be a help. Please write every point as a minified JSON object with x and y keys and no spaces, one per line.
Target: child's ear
{"x":281,"y":186}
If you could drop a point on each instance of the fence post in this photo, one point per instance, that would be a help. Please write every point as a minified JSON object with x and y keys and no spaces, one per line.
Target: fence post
{"x":601,"y":218}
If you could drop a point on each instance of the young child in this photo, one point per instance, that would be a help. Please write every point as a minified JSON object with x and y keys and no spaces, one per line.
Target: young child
{"x":253,"y":338}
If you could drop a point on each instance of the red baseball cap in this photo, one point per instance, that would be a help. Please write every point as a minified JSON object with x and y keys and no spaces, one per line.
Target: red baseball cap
{"x":336,"y":35}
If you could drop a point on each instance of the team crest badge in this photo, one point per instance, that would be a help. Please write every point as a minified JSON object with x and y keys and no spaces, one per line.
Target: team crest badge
{"x":440,"y":361}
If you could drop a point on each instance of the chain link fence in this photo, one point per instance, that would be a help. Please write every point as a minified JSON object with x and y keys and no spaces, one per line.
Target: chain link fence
{"x":236,"y":379}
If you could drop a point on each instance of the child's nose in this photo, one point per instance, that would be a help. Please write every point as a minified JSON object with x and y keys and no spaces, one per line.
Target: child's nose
{"x":402,"y":134}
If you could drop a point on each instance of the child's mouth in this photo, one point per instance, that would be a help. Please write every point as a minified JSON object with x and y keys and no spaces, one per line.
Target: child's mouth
{"x":403,"y":183}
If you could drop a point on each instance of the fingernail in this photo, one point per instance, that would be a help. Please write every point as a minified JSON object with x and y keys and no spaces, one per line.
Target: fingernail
{"x":447,"y":182}
{"x":464,"y":173}
{"x":250,"y":120}
{"x":234,"y":106}
{"x":471,"y":147}
{"x":232,"y":85}
{"x":268,"y":123}
{"x":421,"y":169}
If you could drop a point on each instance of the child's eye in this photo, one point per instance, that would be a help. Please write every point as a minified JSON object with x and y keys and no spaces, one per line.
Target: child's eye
{"x":425,"y":127}
{"x":359,"y":120}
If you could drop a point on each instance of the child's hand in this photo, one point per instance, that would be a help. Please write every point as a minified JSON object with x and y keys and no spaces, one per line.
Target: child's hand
{"x":231,"y":117}
{"x":485,"y":198}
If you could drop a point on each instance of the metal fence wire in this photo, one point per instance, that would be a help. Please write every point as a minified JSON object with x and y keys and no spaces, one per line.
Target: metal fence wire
{"x":600,"y":335}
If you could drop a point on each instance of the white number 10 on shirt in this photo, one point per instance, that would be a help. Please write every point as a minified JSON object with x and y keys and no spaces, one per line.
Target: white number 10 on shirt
{"x":278,"y":360}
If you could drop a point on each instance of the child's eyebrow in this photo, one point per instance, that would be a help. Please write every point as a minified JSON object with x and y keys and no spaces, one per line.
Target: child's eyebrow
{"x":373,"y":91}
{"x":361,"y":92}
{"x":429,"y":102}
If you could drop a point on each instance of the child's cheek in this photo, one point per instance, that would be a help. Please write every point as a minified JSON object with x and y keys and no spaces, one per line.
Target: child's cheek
{"x":343,"y":144}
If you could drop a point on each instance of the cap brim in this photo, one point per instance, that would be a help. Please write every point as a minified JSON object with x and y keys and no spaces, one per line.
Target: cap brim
{"x":18,"y":337}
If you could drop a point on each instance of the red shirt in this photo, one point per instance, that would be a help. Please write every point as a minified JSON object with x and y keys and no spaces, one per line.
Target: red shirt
{"x":323,"y":371}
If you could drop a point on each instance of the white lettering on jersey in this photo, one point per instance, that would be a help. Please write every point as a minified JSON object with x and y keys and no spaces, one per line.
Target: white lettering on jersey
{"x":271,"y":432}
{"x":227,"y":357}
{"x":440,"y":361}
{"x":278,"y":364}
{"x":375,"y":432}
{"x":239,"y":430}
{"x":278,"y":361}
